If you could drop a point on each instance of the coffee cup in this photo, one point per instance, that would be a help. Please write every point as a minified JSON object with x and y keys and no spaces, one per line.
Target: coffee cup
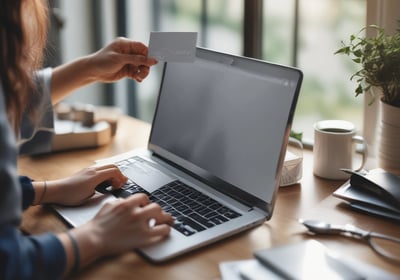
{"x":335,"y":148}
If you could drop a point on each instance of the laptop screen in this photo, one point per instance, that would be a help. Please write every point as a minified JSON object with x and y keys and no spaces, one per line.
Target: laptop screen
{"x":227,"y":119}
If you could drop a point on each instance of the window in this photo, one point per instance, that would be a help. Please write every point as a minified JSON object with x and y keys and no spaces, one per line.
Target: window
{"x":321,"y":25}
{"x":326,"y":91}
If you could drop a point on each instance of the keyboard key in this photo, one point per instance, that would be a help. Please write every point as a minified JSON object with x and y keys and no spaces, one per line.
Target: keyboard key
{"x":231,"y":214}
{"x":215,"y":206}
{"x":201,"y":220}
{"x":184,"y":229}
{"x":194,"y":225}
{"x":204,"y":211}
{"x":121,"y":193}
{"x":218,"y":220}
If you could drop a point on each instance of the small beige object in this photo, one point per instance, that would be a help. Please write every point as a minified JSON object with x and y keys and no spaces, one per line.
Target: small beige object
{"x":292,"y":170}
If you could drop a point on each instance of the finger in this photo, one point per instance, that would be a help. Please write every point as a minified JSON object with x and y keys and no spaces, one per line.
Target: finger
{"x":154,"y":215}
{"x":149,"y":211}
{"x":129,"y":71}
{"x":159,"y":219}
{"x":166,"y":218}
{"x":160,"y":230}
{"x":113,"y":175}
{"x":157,"y":227}
{"x":143,"y":72}
{"x":138,"y":60}
{"x":130,"y":204}
{"x":125,"y":45}
{"x":108,"y":206}
{"x":105,"y":166}
{"x":139,"y":199}
{"x":133,"y":72}
{"x":138,"y":48}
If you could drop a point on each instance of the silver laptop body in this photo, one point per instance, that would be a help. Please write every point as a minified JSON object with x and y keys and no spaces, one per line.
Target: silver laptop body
{"x":220,"y":127}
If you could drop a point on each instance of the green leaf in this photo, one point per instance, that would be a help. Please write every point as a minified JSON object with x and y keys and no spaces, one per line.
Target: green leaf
{"x":358,"y":53}
{"x":296,"y":135}
{"x":344,"y":50}
{"x":359,"y":90}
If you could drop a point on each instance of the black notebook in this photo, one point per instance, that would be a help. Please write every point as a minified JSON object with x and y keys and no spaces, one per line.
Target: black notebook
{"x":376,"y":192}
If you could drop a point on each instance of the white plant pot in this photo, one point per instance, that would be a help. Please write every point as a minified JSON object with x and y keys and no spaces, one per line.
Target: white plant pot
{"x":389,"y":138}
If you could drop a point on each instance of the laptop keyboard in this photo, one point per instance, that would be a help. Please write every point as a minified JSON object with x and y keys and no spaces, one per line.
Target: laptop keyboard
{"x":193,"y":211}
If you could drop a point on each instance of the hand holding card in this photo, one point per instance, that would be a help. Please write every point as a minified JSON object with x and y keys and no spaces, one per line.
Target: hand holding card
{"x":173,"y":46}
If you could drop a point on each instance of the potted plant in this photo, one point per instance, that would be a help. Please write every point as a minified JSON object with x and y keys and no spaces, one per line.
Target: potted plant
{"x":379,"y":74}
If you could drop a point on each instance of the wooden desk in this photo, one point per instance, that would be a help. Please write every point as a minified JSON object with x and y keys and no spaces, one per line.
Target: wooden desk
{"x":310,"y":199}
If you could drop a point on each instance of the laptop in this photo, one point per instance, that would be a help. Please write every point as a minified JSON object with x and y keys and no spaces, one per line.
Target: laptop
{"x":215,"y":151}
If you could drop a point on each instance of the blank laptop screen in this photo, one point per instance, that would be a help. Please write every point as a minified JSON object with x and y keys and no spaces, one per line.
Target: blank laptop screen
{"x":226,"y":117}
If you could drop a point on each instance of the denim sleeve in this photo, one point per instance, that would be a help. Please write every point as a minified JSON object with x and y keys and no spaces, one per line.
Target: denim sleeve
{"x":28,"y":192}
{"x":36,"y":136}
{"x":30,"y":257}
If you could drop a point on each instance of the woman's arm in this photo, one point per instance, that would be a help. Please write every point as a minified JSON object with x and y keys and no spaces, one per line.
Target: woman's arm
{"x":30,"y":257}
{"x":19,"y":254}
{"x":122,"y":58}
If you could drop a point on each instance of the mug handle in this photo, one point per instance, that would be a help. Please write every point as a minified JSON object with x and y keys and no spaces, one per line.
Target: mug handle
{"x":364,"y":151}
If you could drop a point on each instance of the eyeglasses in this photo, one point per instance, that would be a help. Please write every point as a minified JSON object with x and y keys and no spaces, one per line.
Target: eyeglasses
{"x":385,"y":245}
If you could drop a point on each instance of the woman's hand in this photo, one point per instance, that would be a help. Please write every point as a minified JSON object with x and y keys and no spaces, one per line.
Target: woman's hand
{"x":120,"y":226}
{"x":130,"y":223}
{"x":76,"y":189}
{"x":122,"y":58}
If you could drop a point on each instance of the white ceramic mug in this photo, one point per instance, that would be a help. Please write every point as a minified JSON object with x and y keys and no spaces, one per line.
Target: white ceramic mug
{"x":334,"y":148}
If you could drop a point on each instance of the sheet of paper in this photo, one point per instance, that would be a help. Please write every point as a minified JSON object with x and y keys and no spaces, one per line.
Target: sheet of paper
{"x":306,"y":260}
{"x":173,"y":46}
{"x":246,"y":269}
{"x":254,"y":270}
{"x":310,"y":259}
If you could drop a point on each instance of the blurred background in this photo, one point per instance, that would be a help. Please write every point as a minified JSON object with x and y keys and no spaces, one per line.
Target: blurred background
{"x":299,"y":33}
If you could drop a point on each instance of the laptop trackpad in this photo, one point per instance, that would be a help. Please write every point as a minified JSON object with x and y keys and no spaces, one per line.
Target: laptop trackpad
{"x":146,"y":176}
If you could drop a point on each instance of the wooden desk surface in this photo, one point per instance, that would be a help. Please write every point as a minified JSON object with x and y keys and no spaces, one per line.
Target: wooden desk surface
{"x":309,"y":199}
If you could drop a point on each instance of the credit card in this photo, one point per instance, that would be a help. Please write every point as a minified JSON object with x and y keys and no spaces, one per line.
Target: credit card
{"x":173,"y":46}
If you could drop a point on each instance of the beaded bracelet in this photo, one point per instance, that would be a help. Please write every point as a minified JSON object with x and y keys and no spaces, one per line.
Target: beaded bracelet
{"x":75,"y":249}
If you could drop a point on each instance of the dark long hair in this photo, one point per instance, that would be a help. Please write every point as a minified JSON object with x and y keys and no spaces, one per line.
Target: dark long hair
{"x":23,"y":28}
